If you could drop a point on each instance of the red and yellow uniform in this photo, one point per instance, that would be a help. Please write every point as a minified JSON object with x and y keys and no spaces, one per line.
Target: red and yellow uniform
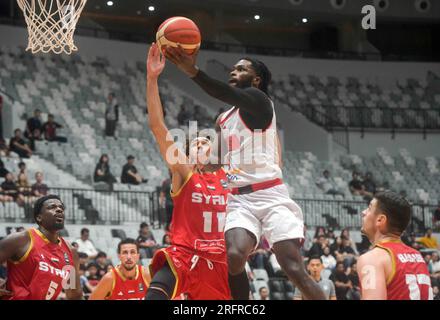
{"x":128,"y":289}
{"x":41,"y":273}
{"x":410,"y":278}
{"x":197,"y":255}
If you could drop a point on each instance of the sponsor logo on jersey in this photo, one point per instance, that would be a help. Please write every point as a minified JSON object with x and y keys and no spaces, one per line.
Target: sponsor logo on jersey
{"x":211,"y":187}
{"x":224,"y":184}
{"x":198,"y":185}
{"x":66,"y":258}
{"x":120,"y":293}
{"x":131,"y":291}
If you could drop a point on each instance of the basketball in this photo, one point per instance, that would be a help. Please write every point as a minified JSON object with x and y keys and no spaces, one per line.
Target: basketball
{"x":179,"y":30}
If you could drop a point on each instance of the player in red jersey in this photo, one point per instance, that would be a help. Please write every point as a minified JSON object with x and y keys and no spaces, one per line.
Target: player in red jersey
{"x":195,"y":264}
{"x":391,"y":270}
{"x":128,"y":281}
{"x":40,"y":263}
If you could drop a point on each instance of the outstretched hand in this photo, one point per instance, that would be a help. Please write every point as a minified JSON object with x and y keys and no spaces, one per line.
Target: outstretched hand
{"x":155,"y":61}
{"x":184,"y":61}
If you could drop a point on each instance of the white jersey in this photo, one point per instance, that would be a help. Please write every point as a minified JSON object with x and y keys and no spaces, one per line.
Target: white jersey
{"x":251,"y":156}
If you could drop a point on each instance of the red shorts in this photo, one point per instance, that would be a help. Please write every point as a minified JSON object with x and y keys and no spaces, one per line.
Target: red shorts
{"x":206,"y":280}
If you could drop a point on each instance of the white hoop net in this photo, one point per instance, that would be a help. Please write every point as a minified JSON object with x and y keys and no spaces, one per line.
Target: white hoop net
{"x":51,"y":24}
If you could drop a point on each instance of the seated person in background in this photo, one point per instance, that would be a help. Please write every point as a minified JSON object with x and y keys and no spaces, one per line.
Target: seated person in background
{"x":33,"y":128}
{"x":9,"y":188}
{"x":328,"y":261}
{"x":317,"y":248}
{"x":3,"y":170}
{"x":39,"y":188}
{"x":166,"y":241}
{"x":85,"y":245}
{"x":147,"y":243}
{"x":85,"y":284}
{"x":50,"y":130}
{"x":342,"y":281}
{"x":264,"y":293}
{"x":259,"y":259}
{"x":327,"y":185}
{"x":19,"y":146}
{"x":429,"y":241}
{"x":4,"y":149}
{"x":92,"y":275}
{"x":370,"y":185}
{"x":102,"y":264}
{"x":102,"y":171}
{"x":130,"y":174}
{"x":355,"y":185}
{"x":24,"y":187}
{"x":355,"y":292}
{"x":346,"y":252}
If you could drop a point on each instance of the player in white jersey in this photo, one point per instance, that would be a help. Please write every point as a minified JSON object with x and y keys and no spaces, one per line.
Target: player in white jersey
{"x":259,"y":203}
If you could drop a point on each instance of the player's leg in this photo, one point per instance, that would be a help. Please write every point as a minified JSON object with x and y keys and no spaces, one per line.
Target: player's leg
{"x":239,"y":244}
{"x":291,"y":261}
{"x":162,"y":285}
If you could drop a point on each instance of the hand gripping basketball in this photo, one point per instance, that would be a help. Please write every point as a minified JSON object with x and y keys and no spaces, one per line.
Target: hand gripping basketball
{"x":184,"y":61}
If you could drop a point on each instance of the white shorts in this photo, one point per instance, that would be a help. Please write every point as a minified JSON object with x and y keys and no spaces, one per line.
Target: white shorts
{"x":269,"y":212}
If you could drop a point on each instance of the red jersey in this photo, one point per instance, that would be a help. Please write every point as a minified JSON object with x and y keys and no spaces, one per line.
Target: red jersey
{"x":41,"y":273}
{"x":199,"y":215}
{"x":410,"y":279}
{"x":128,"y":289}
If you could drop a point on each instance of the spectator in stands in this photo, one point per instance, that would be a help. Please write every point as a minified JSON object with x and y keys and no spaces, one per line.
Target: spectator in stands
{"x":429,"y":241}
{"x":130,"y":174}
{"x":166,"y":241}
{"x":355,"y":185}
{"x":22,"y":167}
{"x":24,"y":187}
{"x":355,"y":292}
{"x":85,"y":285}
{"x":413,"y":241}
{"x":264,"y":293}
{"x":335,"y":246}
{"x":102,"y":172}
{"x":3,"y":170}
{"x":101,"y":264}
{"x":9,"y":188}
{"x":260,"y":257}
{"x":346,"y":252}
{"x":315,"y":267}
{"x":146,"y":241}
{"x":328,"y":261}
{"x":436,"y":216}
{"x":327,"y":185}
{"x":330,"y":235}
{"x":308,"y":242}
{"x":435,"y":265}
{"x":317,"y":248}
{"x":346,"y":233}
{"x":18,"y":145}
{"x":183,"y":116}
{"x":92,"y":276}
{"x":341,"y":281}
{"x":320,"y":231}
{"x":436,"y":292}
{"x":39,"y":188}
{"x":165,"y":198}
{"x":33,"y":128}
{"x":369,"y":184}
{"x":111,"y":115}
{"x":4,"y":149}
{"x":50,"y":130}
{"x":85,"y":245}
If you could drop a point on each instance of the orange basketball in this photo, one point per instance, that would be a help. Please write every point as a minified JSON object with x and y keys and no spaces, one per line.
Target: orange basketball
{"x":179,"y":30}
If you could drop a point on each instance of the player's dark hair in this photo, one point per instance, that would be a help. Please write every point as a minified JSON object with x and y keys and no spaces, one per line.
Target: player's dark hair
{"x":315,"y":258}
{"x":38,"y":205}
{"x":262,"y":71}
{"x":396,"y":208}
{"x":128,"y":241}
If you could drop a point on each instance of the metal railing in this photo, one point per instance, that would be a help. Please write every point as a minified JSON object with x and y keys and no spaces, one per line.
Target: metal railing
{"x":116,"y":207}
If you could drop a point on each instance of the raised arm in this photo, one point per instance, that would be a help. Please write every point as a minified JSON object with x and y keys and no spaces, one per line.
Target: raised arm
{"x":173,"y":156}
{"x":250,"y":100}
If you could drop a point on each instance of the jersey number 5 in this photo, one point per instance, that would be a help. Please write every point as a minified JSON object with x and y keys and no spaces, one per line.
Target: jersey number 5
{"x":51,"y":291}
{"x":207,"y":224}
{"x":414,"y":283}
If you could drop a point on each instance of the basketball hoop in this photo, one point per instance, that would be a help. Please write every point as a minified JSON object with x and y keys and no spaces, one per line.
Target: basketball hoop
{"x":51,"y":24}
